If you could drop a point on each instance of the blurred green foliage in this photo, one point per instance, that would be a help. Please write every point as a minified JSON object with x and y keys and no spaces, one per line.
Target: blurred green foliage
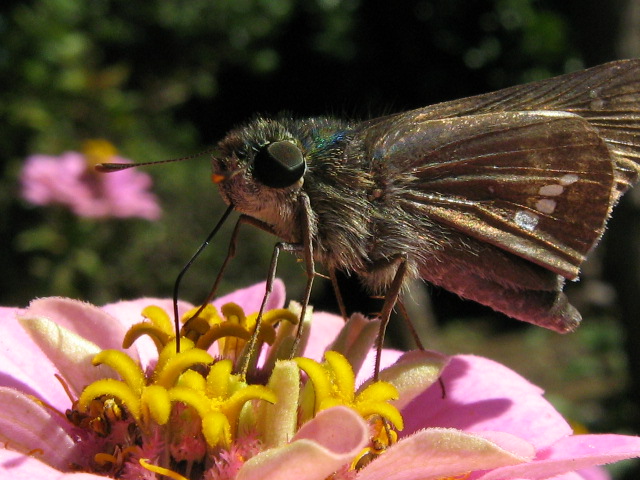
{"x":166,"y":79}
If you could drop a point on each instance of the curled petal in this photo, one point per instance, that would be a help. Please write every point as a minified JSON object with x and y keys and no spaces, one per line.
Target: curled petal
{"x":320,"y":447}
{"x":277,"y":421}
{"x":127,"y":313}
{"x":440,"y":452}
{"x":88,"y":321}
{"x":413,"y":373}
{"x":24,"y":366}
{"x":27,"y":426}
{"x":69,"y":352}
{"x":192,"y":380}
{"x":572,"y":453}
{"x":355,"y":338}
{"x":234,"y":404}
{"x":219,"y":331}
{"x":18,"y":466}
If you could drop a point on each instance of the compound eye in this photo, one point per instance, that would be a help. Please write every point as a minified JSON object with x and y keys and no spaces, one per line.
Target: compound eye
{"x":279,"y":164}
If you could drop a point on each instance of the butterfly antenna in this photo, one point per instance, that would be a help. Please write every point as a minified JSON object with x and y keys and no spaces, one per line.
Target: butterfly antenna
{"x":116,"y":167}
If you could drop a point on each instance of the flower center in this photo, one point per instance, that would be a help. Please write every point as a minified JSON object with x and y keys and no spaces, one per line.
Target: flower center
{"x":190,"y":415}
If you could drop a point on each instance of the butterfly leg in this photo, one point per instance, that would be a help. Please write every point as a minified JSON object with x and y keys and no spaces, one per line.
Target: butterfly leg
{"x":336,"y":290}
{"x":251,"y":349}
{"x":391,"y":298}
{"x":306,"y":249}
{"x":409,"y":324}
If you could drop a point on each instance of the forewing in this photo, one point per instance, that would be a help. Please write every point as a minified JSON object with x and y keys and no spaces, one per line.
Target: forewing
{"x":607,"y":96}
{"x":536,"y":184}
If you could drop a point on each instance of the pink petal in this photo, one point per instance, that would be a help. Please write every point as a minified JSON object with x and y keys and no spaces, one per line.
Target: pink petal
{"x":572,"y":476}
{"x":23,"y":366}
{"x":17,"y":466}
{"x":437,"y":452}
{"x":87,"y":320}
{"x":593,"y":473}
{"x":389,"y":357}
{"x":70,"y":353}
{"x":412,"y":373}
{"x":482,"y":395}
{"x":250,"y":298}
{"x":47,"y":179}
{"x":26,"y":426}
{"x":572,"y":453}
{"x":325,"y":327}
{"x":67,"y":180}
{"x":321,"y":446}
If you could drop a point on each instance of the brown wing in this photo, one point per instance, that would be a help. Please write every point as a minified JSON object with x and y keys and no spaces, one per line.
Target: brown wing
{"x":536,"y":184}
{"x":607,"y":96}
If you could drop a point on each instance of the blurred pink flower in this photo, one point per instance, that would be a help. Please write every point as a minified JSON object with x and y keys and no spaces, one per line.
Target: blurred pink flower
{"x":70,"y":180}
{"x":488,"y":423}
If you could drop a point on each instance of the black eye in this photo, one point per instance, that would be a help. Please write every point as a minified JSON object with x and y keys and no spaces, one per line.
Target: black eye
{"x":279,"y":165}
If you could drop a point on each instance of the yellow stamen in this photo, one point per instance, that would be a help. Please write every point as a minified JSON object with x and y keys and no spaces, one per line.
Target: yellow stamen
{"x":112,"y":388}
{"x":217,"y":334}
{"x":171,"y":370}
{"x":125,"y":366}
{"x":156,"y":403}
{"x":160,"y":338}
{"x":159,"y":318}
{"x":218,"y":379}
{"x":216,"y":429}
{"x":219,"y":401}
{"x":169,"y":351}
{"x":192,"y":379}
{"x":334,"y":384}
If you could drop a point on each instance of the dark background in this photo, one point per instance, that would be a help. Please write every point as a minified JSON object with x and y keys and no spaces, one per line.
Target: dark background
{"x":167,"y":79}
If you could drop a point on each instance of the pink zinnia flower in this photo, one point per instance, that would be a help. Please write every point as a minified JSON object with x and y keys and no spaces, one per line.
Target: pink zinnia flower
{"x":70,"y":180}
{"x":488,"y":423}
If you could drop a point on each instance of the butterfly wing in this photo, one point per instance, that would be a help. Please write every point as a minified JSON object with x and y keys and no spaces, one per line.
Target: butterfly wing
{"x":607,"y":96}
{"x":509,"y":188}
{"x":534,"y":169}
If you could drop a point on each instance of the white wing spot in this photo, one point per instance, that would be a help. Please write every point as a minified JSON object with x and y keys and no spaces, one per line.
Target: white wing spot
{"x":597,"y":102}
{"x":526,"y":220}
{"x":568,"y":179}
{"x":551,"y":190}
{"x":546,"y":205}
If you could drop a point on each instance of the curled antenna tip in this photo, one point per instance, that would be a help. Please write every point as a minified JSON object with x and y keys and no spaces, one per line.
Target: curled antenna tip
{"x":112,"y":167}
